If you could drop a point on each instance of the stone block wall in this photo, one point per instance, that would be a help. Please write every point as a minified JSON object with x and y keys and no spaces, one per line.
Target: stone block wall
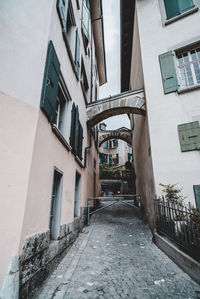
{"x":40,"y":255}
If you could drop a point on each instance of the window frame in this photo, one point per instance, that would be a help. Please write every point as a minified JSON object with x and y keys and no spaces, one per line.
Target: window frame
{"x":166,"y":21}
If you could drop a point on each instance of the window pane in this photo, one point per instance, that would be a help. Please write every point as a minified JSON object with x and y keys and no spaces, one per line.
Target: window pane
{"x":197,"y":72}
{"x":185,"y":5}
{"x":198,"y":53}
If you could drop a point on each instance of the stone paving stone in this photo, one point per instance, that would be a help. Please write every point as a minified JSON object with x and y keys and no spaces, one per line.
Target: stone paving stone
{"x":116,"y":258}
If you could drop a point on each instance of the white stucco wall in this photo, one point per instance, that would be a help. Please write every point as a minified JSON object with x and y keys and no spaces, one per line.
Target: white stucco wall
{"x":165,"y":112}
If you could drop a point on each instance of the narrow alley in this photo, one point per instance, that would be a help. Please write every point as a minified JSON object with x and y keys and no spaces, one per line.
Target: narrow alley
{"x":115,"y":258}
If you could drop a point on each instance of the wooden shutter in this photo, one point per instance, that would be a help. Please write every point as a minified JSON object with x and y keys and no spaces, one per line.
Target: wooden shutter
{"x":77,"y":54}
{"x":80,"y":141}
{"x":73,"y":112}
{"x":185,"y":5}
{"x":197,"y":194}
{"x":76,"y":131}
{"x":50,"y":84}
{"x":168,"y":71}
{"x":62,"y":6}
{"x":117,"y":158}
{"x":171,"y":8}
{"x":189,"y":136}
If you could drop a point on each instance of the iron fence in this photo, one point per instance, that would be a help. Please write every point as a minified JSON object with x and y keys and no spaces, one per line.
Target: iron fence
{"x":180,"y":223}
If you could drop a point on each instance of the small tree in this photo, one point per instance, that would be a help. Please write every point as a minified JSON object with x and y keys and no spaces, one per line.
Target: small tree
{"x":172,"y":193}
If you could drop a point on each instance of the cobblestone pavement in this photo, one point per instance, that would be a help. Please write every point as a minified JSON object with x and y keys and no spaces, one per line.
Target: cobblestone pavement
{"x":116,"y":258}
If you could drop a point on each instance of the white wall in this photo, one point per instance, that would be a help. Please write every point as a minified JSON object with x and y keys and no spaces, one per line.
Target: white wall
{"x":165,"y":112}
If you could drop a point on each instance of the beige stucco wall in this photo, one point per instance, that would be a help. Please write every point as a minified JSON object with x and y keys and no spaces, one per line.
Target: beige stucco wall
{"x":29,"y":148}
{"x":17,"y":132}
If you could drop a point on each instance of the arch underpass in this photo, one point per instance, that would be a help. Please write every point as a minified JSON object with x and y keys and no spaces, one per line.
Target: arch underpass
{"x":122,"y":133}
{"x":131,"y":102}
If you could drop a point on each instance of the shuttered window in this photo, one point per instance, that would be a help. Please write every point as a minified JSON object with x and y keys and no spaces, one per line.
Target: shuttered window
{"x":189,"y":136}
{"x":77,"y":54}
{"x":85,"y":18}
{"x":80,"y":141}
{"x":197,"y":194}
{"x":174,"y":8}
{"x":76,"y":134}
{"x":62,"y":6}
{"x":117,"y":158}
{"x":50,"y":84}
{"x":168,"y":71}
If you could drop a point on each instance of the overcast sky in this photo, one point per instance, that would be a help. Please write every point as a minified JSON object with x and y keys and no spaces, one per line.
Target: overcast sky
{"x":111,"y":16}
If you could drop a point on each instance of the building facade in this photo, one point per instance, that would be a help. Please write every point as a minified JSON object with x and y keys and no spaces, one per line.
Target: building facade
{"x":164,"y":58}
{"x":115,"y":162}
{"x":52,"y":63}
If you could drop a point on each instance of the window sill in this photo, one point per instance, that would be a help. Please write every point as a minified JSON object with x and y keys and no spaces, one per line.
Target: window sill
{"x":70,"y":53}
{"x":191,"y":11}
{"x":79,"y":162}
{"x":191,"y":88}
{"x":60,"y":136}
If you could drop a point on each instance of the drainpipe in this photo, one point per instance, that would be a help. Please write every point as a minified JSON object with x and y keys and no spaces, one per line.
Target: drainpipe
{"x":87,"y":148}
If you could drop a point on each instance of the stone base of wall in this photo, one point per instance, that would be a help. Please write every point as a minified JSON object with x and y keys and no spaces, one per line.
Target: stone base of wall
{"x":40,"y":256}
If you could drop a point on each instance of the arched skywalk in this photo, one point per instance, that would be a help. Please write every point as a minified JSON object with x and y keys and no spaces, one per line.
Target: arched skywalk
{"x":131,"y":102}
{"x":122,"y":133}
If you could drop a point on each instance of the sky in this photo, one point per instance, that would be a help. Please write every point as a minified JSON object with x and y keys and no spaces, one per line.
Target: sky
{"x":111,"y":17}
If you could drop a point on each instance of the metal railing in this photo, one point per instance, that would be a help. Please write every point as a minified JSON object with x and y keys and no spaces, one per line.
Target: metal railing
{"x":180,"y":223}
{"x":131,"y":200}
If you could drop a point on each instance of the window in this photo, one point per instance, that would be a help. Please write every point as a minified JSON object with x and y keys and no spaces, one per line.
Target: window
{"x":54,"y":223}
{"x":180,"y":69}
{"x":189,"y":136}
{"x":85,"y":21}
{"x":55,"y":96}
{"x":71,"y":27}
{"x":116,"y":159}
{"x":76,"y":135}
{"x":189,"y":68}
{"x":197,"y":195}
{"x":84,"y":81}
{"x":77,"y":195}
{"x":174,"y":8}
{"x":70,"y":32}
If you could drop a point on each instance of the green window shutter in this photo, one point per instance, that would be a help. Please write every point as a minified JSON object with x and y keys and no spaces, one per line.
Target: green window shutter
{"x":185,"y":5}
{"x":168,"y":71}
{"x":117,"y":158}
{"x":80,"y":141}
{"x":50,"y":84}
{"x":62,"y":6}
{"x":197,"y":195}
{"x":101,"y":158}
{"x":77,"y":53}
{"x":76,"y":131}
{"x":116,"y":142}
{"x":85,"y":20}
{"x":171,"y":8}
{"x":110,"y":159}
{"x":129,"y":157}
{"x":189,"y":136}
{"x":106,"y":144}
{"x":72,"y":125}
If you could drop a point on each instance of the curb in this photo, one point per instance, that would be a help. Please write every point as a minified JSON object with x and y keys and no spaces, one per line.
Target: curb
{"x":184,"y":261}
